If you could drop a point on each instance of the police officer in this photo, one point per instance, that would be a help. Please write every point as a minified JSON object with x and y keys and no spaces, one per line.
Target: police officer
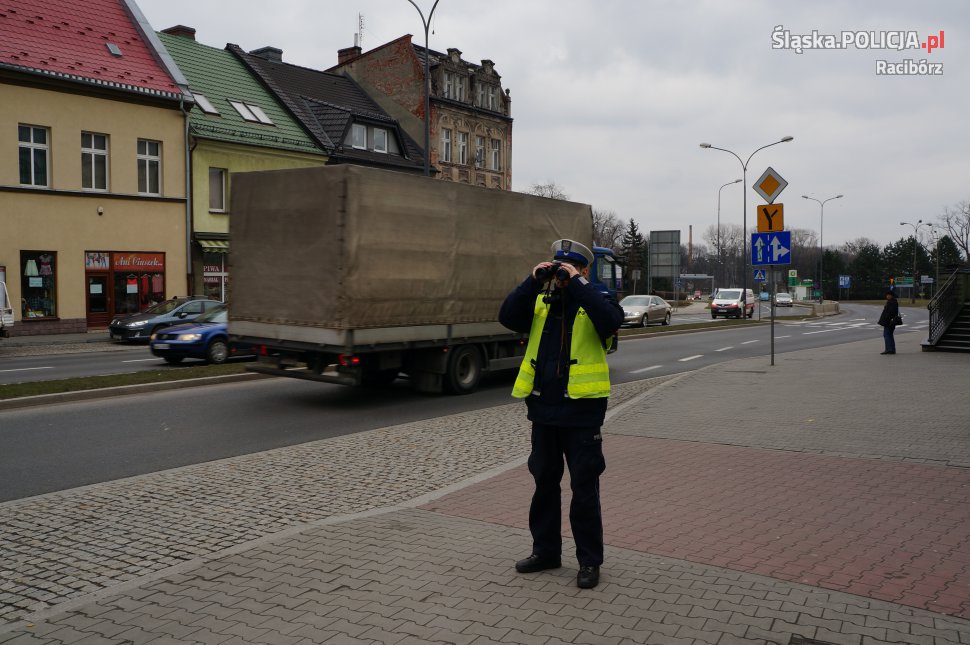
{"x":565,"y":382}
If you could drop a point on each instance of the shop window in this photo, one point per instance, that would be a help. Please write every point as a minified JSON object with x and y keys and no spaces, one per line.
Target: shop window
{"x":38,"y":286}
{"x":33,"y":150}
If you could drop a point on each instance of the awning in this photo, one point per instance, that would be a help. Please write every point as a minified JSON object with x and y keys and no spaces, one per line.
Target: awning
{"x":214,"y":246}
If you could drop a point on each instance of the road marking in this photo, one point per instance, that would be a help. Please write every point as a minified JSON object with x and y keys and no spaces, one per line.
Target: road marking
{"x":141,"y":360}
{"x":690,"y":358}
{"x":789,"y":336}
{"x":748,"y":342}
{"x":724,"y":349}
{"x":824,"y":331}
{"x":646,"y":369}
{"x":27,"y":369}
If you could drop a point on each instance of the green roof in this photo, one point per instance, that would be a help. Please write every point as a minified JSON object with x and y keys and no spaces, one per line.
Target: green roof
{"x":220,"y":77}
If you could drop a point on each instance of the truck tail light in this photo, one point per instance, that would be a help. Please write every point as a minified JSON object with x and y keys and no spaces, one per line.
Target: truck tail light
{"x":348,"y":360}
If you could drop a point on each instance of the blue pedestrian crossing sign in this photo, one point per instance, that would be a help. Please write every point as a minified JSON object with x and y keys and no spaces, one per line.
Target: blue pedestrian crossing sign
{"x":759,"y":275}
{"x":771,"y":248}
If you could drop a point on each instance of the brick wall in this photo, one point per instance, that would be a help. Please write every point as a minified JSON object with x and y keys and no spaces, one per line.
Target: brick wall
{"x":44,"y":327}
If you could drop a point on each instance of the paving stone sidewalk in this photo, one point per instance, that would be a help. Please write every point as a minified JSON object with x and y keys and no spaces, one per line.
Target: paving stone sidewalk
{"x":438,"y":568}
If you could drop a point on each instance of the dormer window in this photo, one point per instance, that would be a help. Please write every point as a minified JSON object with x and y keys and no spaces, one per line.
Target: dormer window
{"x":449,"y":85}
{"x":358,"y":136}
{"x":380,"y":140}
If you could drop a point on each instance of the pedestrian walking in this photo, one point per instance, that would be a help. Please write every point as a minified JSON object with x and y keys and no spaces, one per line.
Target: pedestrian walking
{"x":565,"y":382}
{"x":888,"y":321}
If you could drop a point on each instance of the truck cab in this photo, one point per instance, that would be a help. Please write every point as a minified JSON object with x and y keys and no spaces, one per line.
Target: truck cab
{"x":606,"y":274}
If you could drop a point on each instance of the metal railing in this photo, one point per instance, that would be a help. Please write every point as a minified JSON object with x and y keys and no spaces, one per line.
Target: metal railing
{"x":946,"y":304}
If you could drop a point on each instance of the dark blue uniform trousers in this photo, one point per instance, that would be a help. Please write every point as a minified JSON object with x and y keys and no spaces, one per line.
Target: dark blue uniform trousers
{"x":583,"y":452}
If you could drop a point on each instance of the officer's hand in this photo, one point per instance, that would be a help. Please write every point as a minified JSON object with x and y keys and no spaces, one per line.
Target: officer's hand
{"x":571,"y":270}
{"x":541,"y":265}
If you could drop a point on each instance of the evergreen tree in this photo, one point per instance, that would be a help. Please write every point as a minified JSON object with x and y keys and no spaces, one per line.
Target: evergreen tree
{"x":634,"y":250}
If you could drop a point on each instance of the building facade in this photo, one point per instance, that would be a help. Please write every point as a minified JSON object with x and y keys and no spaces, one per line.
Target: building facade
{"x":470,"y":121}
{"x":92,"y":169}
{"x":236,"y":125}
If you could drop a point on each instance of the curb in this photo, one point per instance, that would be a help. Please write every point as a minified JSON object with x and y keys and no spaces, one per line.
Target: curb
{"x":123,"y":390}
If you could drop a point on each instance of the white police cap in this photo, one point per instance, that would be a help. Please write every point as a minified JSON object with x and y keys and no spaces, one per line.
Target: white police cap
{"x":572,"y":251}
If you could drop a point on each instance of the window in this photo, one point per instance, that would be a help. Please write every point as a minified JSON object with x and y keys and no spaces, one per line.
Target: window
{"x":217,"y":190}
{"x":94,"y":161}
{"x":463,"y":148}
{"x":479,"y":152}
{"x":492,"y":99}
{"x":460,"y":88}
{"x":480,"y":101}
{"x":149,"y":167}
{"x":33,"y":150}
{"x":204,"y":103}
{"x":38,"y":284}
{"x":496,"y":154}
{"x":251,"y":112}
{"x":358,"y":136}
{"x":449,"y":85}
{"x":380,"y":140}
{"x":446,"y":145}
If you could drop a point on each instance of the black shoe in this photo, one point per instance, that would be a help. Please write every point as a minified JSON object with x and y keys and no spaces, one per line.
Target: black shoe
{"x":537,"y":563}
{"x":588,"y":577}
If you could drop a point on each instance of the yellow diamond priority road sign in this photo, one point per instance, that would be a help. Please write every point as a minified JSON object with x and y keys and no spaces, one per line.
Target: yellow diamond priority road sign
{"x":770,"y":184}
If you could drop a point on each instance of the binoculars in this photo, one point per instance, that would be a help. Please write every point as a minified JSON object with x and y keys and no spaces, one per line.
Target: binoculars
{"x":543,"y":274}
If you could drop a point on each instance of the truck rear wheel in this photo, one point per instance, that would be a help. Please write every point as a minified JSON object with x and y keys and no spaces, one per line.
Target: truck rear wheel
{"x":464,"y":370}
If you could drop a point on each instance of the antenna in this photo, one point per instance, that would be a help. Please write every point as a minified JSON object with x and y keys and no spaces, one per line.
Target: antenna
{"x":359,"y":36}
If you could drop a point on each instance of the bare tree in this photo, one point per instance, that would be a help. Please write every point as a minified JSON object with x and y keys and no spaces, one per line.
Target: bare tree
{"x":551,"y":190}
{"x":607,"y":229}
{"x":956,"y":221}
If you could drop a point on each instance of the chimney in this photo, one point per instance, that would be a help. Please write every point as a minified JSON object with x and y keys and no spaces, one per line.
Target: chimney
{"x":180,"y":30}
{"x":272,"y":54}
{"x":347,"y":53}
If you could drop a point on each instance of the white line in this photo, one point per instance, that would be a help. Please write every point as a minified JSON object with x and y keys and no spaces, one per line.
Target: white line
{"x":724,"y":349}
{"x":789,"y":336}
{"x":824,"y":331}
{"x":646,"y":369}
{"x":27,"y":369}
{"x":748,"y":342}
{"x":690,"y":358}
{"x":141,"y":360}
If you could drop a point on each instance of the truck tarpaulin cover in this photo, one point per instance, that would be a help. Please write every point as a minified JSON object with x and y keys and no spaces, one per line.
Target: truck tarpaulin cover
{"x":347,"y":247}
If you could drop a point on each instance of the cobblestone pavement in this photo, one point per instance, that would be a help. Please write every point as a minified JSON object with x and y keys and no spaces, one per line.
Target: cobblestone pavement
{"x":711,"y":526}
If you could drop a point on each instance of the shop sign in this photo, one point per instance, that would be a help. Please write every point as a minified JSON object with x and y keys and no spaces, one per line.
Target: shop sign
{"x":139,"y":261}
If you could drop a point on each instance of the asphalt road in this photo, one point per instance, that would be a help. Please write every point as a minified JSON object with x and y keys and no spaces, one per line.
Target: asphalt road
{"x":67,"y":445}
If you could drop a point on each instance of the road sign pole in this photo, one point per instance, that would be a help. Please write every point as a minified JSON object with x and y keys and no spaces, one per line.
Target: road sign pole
{"x":771,"y":272}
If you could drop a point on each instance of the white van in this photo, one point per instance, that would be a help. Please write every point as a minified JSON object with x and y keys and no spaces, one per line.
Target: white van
{"x":728,"y":303}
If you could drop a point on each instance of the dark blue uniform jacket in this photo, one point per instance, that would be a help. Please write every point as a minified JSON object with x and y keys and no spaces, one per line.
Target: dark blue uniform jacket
{"x":551,"y":406}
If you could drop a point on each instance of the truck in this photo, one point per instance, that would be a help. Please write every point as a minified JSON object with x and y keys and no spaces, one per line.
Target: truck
{"x":6,"y":311}
{"x":359,"y":276}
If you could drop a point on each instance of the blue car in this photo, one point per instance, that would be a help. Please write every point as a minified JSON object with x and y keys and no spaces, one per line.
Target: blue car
{"x":205,"y":338}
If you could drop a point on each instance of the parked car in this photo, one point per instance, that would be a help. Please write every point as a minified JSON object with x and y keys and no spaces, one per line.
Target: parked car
{"x":783,"y":299}
{"x":643,"y":310}
{"x":205,"y":338}
{"x":729,"y":303}
{"x":140,"y":327}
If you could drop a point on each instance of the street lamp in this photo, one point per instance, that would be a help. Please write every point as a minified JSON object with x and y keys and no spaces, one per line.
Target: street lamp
{"x":744,"y":232}
{"x":915,"y":242}
{"x":821,"y":248}
{"x":427,"y":87}
{"x":719,"y":260}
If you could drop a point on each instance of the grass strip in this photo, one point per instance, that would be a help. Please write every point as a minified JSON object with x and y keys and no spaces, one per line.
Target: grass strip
{"x":78,"y":384}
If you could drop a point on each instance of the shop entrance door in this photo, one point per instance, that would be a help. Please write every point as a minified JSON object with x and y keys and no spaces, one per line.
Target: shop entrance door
{"x":98,"y":301}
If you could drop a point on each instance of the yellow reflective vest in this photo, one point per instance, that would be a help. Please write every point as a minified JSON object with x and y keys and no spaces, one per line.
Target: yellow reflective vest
{"x":589,"y":375}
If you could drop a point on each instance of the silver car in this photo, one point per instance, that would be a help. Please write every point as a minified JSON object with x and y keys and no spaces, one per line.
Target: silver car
{"x":783,"y":299}
{"x":643,"y":310}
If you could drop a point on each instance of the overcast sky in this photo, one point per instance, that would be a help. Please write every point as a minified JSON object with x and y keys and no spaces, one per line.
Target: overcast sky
{"x":611,"y":98}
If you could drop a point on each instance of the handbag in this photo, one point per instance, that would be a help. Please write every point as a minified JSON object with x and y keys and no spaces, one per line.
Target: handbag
{"x":897,"y":320}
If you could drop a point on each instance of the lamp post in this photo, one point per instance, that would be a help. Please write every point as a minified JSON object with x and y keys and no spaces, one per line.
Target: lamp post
{"x":821,"y":248}
{"x":427,"y":86}
{"x":744,"y":232}
{"x":916,"y":227}
{"x":936,"y":242}
{"x":720,"y":262}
